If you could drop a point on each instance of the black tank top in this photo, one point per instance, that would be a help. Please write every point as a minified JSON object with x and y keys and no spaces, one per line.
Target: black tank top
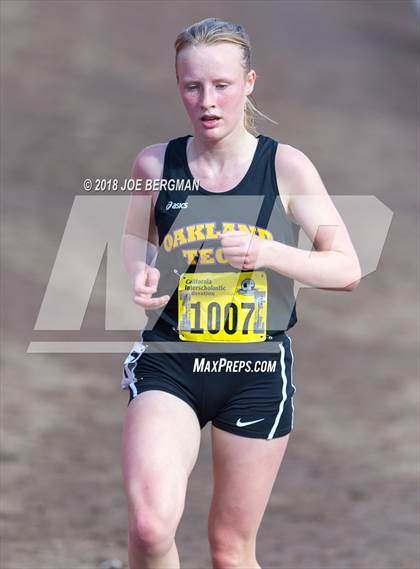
{"x":189,"y":219}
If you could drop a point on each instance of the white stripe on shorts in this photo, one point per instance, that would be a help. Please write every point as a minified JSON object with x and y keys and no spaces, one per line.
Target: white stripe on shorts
{"x":284,"y":392}
{"x":133,"y":388}
{"x":129,"y":375}
{"x":291,"y":377}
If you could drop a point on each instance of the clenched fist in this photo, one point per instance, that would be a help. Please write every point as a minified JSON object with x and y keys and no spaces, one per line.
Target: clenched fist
{"x":145,"y":285}
{"x":244,"y":250}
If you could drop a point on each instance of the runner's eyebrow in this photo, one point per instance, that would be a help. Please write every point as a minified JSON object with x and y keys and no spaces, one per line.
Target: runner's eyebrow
{"x":220,"y":80}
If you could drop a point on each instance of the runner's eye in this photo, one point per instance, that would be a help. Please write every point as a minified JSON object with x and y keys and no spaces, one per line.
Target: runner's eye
{"x":194,"y":87}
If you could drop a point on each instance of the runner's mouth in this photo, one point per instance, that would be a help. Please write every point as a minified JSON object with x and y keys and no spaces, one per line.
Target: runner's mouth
{"x":209,"y":116}
{"x":210,"y":120}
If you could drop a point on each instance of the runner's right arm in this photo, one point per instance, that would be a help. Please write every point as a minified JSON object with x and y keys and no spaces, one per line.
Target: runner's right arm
{"x":139,"y":242}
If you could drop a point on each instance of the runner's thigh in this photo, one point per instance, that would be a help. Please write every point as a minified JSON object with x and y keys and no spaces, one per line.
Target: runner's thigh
{"x":245,"y":470}
{"x":161,"y":440}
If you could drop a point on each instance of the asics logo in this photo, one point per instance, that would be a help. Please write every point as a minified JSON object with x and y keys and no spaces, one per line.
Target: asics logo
{"x":240,"y":423}
{"x":176,"y":205}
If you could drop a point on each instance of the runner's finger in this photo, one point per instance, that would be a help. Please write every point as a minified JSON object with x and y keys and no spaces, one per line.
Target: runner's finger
{"x":233,"y":232}
{"x":151,"y":303}
{"x":235,"y":250}
{"x":234,"y":239}
{"x":153,"y":276}
{"x":144,"y":289}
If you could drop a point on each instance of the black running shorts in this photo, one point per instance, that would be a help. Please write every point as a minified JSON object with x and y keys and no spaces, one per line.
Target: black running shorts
{"x":248,"y":393}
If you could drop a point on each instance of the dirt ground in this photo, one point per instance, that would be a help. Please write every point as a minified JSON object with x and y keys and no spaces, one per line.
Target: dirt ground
{"x":85,"y":86}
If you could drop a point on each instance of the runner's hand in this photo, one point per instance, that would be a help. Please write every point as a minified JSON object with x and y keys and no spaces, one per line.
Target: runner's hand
{"x":243,"y":250}
{"x":145,"y":285}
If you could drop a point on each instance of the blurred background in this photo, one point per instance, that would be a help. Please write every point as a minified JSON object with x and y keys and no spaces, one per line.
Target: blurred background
{"x":85,"y":85}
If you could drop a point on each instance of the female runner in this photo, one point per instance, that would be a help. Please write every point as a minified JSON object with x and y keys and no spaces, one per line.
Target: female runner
{"x":213,"y":263}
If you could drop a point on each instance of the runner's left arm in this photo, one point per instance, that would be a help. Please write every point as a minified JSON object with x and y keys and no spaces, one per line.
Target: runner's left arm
{"x":334,"y":264}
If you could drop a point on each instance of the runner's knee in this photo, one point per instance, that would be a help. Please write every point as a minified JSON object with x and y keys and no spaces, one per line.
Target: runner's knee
{"x":152,"y":534}
{"x":230,"y":549}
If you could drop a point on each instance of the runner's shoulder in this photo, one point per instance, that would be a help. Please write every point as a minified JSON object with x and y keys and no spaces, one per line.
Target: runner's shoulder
{"x":149,"y":161}
{"x":294,"y":169}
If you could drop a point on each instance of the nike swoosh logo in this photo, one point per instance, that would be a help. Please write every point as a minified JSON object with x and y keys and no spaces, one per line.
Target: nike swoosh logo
{"x":239,"y":423}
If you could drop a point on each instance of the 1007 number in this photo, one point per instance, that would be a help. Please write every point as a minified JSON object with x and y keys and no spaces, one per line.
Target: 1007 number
{"x":230,"y":317}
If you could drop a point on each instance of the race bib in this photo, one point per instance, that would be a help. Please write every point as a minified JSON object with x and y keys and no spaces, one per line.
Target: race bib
{"x":222,"y":307}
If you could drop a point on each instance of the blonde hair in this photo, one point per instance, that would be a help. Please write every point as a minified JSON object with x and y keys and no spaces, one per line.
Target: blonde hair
{"x":212,"y":31}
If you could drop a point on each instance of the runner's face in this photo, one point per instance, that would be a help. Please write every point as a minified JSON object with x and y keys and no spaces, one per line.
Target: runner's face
{"x":212,"y":81}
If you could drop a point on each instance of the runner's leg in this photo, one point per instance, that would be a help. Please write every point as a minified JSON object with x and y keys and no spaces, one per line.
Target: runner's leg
{"x":244,"y":471}
{"x":161,"y":439}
